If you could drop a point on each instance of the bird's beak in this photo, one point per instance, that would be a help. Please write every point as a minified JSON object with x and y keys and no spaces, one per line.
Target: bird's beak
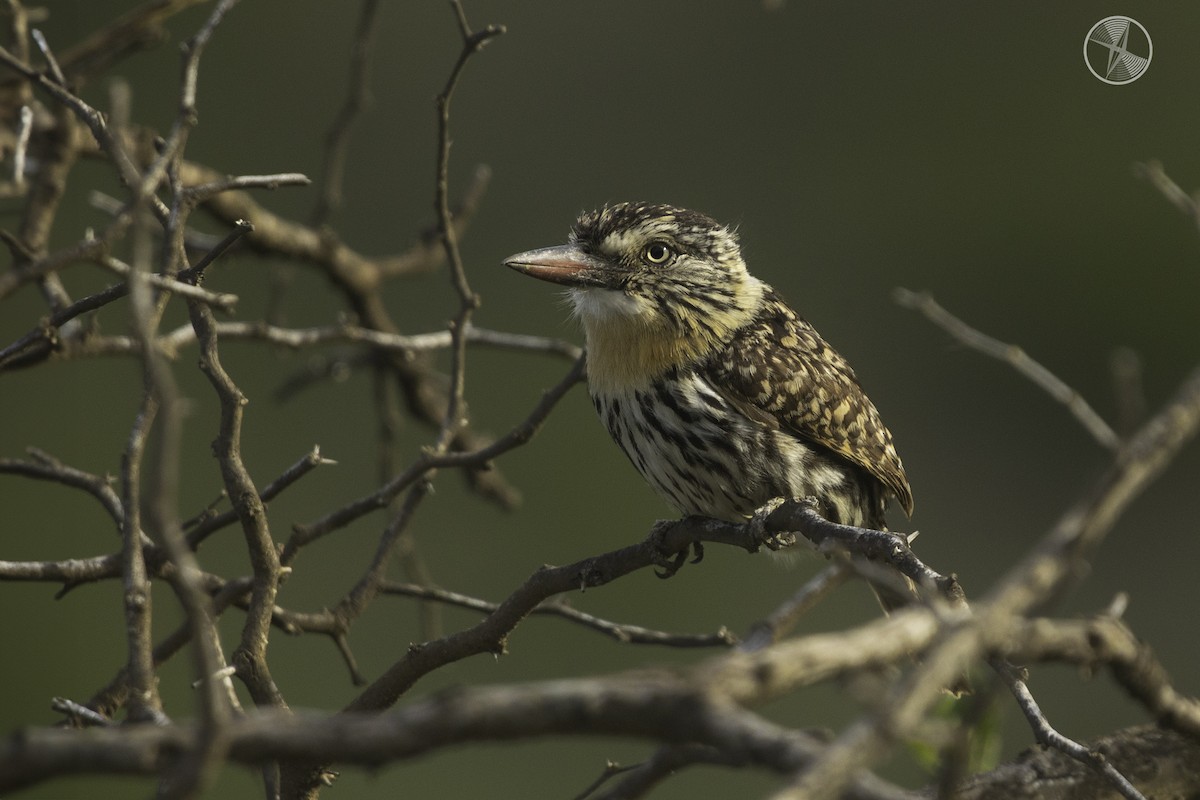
{"x":565,"y":264}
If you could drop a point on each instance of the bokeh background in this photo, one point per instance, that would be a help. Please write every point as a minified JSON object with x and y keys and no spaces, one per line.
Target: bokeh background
{"x":960,"y":148}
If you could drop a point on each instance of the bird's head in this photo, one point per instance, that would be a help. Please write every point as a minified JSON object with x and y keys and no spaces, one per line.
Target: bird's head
{"x":657,"y":284}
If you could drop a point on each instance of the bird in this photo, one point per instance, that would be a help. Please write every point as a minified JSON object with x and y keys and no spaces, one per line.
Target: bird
{"x":721,"y":395}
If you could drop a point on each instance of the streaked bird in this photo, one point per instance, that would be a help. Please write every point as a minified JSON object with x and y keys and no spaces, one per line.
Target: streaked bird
{"x":721,"y":395}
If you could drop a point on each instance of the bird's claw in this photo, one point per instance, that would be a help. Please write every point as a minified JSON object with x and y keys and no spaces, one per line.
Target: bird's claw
{"x":780,"y":541}
{"x":772,"y":540}
{"x":669,"y":565}
{"x":671,"y":561}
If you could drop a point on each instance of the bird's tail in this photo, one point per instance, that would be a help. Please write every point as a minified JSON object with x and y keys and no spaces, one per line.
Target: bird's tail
{"x":894,"y":592}
{"x":892,"y":589}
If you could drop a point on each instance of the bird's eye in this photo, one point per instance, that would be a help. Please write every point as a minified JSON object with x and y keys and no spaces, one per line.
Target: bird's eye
{"x":657,"y":253}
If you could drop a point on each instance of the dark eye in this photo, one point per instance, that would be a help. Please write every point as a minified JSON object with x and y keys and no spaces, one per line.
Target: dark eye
{"x":657,"y":253}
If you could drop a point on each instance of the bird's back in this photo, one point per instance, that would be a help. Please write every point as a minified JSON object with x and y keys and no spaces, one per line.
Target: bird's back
{"x":780,"y":371}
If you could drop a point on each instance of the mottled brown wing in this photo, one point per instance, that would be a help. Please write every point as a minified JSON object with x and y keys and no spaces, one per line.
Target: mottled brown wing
{"x":779,"y":368}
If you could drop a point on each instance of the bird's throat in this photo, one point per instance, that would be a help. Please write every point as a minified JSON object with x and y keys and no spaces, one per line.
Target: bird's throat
{"x":624,"y":355}
{"x":630,"y":343}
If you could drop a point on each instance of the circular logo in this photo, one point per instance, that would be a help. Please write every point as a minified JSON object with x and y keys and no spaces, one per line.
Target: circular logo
{"x":1118,"y":50}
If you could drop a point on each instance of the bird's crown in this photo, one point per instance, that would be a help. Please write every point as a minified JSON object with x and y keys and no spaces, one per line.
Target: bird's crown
{"x":653,"y":234}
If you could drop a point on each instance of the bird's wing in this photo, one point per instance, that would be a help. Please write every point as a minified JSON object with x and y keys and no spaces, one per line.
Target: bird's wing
{"x":780,"y":371}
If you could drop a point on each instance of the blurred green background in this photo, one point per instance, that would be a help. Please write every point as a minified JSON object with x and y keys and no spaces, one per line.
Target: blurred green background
{"x":959,"y":148}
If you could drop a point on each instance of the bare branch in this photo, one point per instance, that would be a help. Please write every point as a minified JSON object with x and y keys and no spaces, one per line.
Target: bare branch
{"x":298,"y":338}
{"x":776,"y":624}
{"x":337,"y":138}
{"x":633,"y":634}
{"x":223,"y":300}
{"x":1015,"y":357}
{"x":136,"y":30}
{"x":70,"y":572}
{"x":523,"y":432}
{"x":651,"y":705}
{"x":90,"y":116}
{"x":198,"y":193}
{"x":78,"y":713}
{"x":1156,"y":176}
{"x":43,"y":466}
{"x":250,"y":657}
{"x":145,"y":704}
{"x":1106,"y":640}
{"x":1049,"y":737}
{"x":51,"y":62}
{"x":455,"y":417}
{"x":1039,"y":578}
{"x":240,"y":229}
{"x":22,"y":147}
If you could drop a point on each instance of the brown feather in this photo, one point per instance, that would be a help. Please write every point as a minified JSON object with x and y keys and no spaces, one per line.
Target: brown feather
{"x":780,"y":368}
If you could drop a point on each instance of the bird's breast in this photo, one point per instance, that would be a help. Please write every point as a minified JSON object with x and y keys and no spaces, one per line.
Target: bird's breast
{"x":704,"y":456}
{"x":681,"y":437}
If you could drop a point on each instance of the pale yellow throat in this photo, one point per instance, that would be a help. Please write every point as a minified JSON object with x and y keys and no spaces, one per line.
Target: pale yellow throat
{"x":624,"y":354}
{"x":629,"y":344}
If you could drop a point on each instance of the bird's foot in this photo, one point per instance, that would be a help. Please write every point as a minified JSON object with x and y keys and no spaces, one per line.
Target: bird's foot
{"x":761,"y":535}
{"x":668,"y":560}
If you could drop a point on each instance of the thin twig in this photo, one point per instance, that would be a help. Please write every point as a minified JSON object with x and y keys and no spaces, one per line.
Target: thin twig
{"x":198,"y":193}
{"x":223,"y":300}
{"x":390,"y":417}
{"x":186,"y":118}
{"x":247,"y":503}
{"x":1039,"y":578}
{"x":196,"y":767}
{"x":80,"y":713}
{"x":455,"y":416}
{"x":43,"y":466}
{"x":337,"y":138}
{"x":75,"y":572}
{"x":303,"y":535}
{"x":611,"y":770}
{"x":204,"y":525}
{"x":126,"y":170}
{"x":1107,"y":640}
{"x":1046,"y":735}
{"x":144,"y":701}
{"x":1015,"y":357}
{"x":299,"y":338}
{"x":51,"y":62}
{"x":1153,"y":172}
{"x":632,"y":634}
{"x":24,"y":129}
{"x":240,"y":229}
{"x":775,"y":625}
{"x":161,"y":399}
